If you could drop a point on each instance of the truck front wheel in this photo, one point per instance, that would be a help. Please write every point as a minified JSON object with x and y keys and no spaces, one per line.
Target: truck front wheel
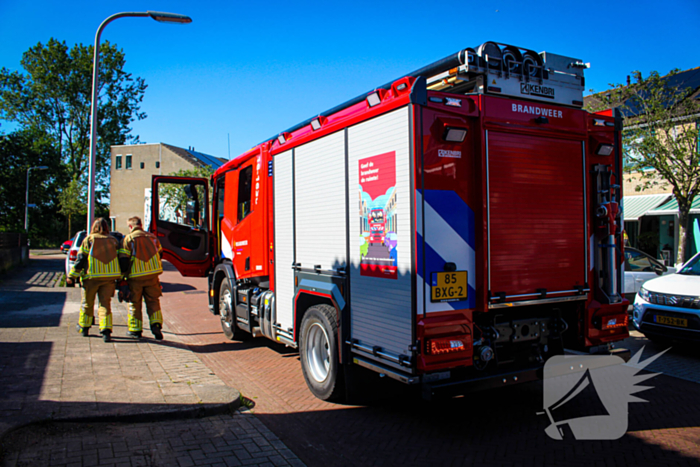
{"x":319,"y":352}
{"x":227,"y":313}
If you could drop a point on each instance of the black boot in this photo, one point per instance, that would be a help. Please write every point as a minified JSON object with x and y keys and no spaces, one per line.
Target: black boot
{"x":107,"y":335}
{"x":155,"y":329}
{"x":135,"y":334}
{"x":85,"y":332}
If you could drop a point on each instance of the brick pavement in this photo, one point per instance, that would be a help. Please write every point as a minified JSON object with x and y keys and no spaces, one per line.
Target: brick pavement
{"x":498,"y":427}
{"x":50,"y":372}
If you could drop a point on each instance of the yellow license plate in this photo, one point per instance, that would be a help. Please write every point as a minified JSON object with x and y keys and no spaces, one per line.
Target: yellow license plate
{"x":448,"y":286}
{"x":670,"y":321}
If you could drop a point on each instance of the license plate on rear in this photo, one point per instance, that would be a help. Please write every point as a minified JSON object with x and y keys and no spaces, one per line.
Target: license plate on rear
{"x":671,"y":321}
{"x":448,"y":286}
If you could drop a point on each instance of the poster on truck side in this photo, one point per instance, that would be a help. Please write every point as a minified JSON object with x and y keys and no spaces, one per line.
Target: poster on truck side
{"x":378,"y":219}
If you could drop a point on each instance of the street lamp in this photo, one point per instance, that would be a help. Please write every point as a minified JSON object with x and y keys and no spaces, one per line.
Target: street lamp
{"x":156,"y":15}
{"x":26,"y":198}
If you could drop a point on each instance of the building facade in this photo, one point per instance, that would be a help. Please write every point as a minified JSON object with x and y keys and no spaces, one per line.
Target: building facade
{"x":131,"y":171}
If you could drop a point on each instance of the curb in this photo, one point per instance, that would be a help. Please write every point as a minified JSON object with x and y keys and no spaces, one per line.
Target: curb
{"x":191,"y":411}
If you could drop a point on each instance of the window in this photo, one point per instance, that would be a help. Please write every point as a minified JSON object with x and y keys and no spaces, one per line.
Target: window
{"x":157,"y":164}
{"x":245,"y":179}
{"x":128,"y":161}
{"x":143,"y":165}
{"x":118,"y":162}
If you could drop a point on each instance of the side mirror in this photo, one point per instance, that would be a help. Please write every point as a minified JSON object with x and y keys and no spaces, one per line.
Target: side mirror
{"x":660,"y":269}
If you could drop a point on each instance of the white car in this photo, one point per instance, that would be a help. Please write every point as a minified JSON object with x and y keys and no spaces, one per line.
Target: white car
{"x":72,"y":255}
{"x":668,"y":307}
{"x":639,"y":268}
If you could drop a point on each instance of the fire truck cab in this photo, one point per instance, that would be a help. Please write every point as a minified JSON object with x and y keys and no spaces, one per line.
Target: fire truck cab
{"x":499,"y":210}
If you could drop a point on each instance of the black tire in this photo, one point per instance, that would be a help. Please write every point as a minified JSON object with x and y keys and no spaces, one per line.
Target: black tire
{"x":318,"y":350}
{"x":227,"y":312}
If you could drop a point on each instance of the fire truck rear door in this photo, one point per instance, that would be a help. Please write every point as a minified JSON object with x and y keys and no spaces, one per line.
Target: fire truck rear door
{"x":180,"y":220}
{"x":536,"y":216}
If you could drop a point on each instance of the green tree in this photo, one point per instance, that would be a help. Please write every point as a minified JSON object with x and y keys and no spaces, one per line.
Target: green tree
{"x":19,"y":151}
{"x":174,"y":197}
{"x":660,"y":137}
{"x":72,"y":202}
{"x":53,"y":97}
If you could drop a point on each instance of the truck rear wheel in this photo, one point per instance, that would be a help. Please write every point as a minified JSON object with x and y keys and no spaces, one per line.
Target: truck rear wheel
{"x":319,"y":352}
{"x":227,"y":313}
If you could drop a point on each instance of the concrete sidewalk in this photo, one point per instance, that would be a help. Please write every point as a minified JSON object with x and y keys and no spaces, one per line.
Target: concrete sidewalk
{"x":49,"y":371}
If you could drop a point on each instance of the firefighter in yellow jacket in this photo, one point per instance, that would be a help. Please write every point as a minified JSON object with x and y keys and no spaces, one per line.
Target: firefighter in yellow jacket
{"x":140,"y":257}
{"x":97,"y":265}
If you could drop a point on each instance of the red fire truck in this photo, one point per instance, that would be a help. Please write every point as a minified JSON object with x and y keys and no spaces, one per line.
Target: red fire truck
{"x":376,"y":226}
{"x":506,"y":233}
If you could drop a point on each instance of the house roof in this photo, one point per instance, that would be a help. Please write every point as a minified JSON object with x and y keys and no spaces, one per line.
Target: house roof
{"x":198,"y":158}
{"x":634,"y":207}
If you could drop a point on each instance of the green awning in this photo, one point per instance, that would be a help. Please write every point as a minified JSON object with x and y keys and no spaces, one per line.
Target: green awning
{"x":671,"y":207}
{"x":635,"y":207}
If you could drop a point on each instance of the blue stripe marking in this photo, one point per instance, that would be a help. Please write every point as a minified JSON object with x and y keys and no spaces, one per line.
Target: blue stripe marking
{"x":454,"y":211}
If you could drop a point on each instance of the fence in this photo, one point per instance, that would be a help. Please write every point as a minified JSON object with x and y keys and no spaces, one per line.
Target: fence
{"x":13,"y":250}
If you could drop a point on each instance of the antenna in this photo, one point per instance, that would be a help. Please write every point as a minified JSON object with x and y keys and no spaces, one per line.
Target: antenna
{"x":228,"y":135}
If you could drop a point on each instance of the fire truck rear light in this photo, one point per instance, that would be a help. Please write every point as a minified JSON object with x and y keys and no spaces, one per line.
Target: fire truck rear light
{"x":494,"y":89}
{"x":615,"y":321}
{"x":604,"y":149}
{"x":444,"y":345}
{"x":454,"y":134}
{"x":401,"y":87}
{"x":374,"y":99}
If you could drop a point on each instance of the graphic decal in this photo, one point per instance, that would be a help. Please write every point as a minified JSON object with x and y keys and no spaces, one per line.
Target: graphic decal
{"x":378,"y":240}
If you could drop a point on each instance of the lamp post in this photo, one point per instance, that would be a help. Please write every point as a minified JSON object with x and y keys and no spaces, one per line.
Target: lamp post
{"x":156,"y":15}
{"x":26,"y":198}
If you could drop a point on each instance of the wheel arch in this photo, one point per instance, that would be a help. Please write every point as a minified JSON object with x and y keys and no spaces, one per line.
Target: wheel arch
{"x":221,"y":271}
{"x":307,"y":298}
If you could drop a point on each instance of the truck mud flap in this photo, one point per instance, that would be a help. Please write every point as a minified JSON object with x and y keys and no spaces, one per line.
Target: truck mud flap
{"x":454,"y":388}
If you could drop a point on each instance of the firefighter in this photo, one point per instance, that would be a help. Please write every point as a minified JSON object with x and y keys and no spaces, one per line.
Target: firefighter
{"x":97,"y":266}
{"x":140,"y":258}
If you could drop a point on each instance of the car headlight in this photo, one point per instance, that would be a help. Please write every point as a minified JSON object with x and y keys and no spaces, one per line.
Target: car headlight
{"x":644,"y":294}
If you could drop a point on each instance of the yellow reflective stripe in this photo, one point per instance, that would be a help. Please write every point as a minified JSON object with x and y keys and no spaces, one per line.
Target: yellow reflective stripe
{"x":97,"y":268}
{"x":156,"y":318}
{"x":142,"y":268}
{"x":106,"y":322}
{"x":135,"y":325}
{"x":85,"y":320}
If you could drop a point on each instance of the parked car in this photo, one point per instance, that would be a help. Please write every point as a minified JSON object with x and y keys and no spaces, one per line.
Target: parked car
{"x":75,"y":246}
{"x":65,"y":246}
{"x":668,"y":308}
{"x":639,"y":268}
{"x":73,"y":250}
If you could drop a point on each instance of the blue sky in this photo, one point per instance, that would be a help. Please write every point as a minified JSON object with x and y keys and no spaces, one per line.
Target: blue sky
{"x":253,"y":69}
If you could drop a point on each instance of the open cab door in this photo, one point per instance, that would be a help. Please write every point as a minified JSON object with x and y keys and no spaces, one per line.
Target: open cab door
{"x":180,"y":220}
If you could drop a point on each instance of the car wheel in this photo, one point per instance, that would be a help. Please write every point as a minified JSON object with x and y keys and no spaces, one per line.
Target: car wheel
{"x":227,"y":313}
{"x":319,"y":353}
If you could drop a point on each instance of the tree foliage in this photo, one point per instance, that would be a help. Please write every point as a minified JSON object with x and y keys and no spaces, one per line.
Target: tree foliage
{"x":53,"y":97}
{"x":176,"y":202}
{"x":19,"y":151}
{"x":660,"y":138}
{"x":73,"y":202}
{"x":49,"y":102}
